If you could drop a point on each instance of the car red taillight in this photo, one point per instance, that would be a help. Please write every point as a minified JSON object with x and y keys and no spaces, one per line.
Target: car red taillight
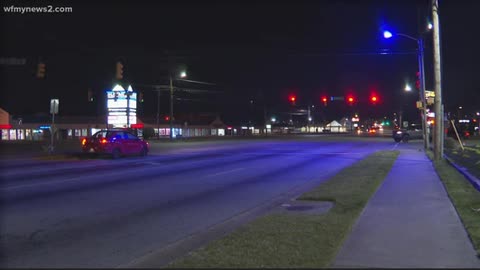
{"x":84,"y":141}
{"x":103,"y":141}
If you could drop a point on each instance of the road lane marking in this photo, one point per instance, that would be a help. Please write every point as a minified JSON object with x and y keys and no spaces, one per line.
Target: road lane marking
{"x":395,"y":146}
{"x":39,"y":184}
{"x":71,"y":179}
{"x":220,"y":173}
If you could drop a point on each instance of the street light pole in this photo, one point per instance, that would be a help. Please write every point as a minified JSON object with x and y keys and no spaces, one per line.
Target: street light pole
{"x":422,"y":93}
{"x":421,"y":71}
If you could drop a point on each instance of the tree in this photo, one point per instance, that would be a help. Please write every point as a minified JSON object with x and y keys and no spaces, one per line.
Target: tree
{"x":148,"y":133}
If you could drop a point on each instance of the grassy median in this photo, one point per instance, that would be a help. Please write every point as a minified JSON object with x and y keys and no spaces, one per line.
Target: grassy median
{"x":468,"y":158}
{"x":464,"y":197}
{"x":283,"y":240}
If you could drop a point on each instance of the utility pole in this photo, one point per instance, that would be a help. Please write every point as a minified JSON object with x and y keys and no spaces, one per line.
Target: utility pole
{"x":265,"y":118}
{"x":438,"y":133}
{"x":158,"y":112}
{"x":171,"y":108}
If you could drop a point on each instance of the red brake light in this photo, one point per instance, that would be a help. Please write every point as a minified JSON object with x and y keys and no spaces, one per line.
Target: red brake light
{"x":84,"y":141}
{"x":103,"y":140}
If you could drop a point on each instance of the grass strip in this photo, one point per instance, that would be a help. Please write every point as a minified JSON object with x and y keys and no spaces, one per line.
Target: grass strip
{"x":283,"y":240}
{"x":464,"y":197}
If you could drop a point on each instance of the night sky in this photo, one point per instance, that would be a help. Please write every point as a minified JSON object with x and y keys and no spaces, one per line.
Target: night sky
{"x":260,"y":51}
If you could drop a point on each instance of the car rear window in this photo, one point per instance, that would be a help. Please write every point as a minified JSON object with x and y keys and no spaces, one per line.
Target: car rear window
{"x":100,"y":134}
{"x":130,"y":136}
{"x":109,"y":134}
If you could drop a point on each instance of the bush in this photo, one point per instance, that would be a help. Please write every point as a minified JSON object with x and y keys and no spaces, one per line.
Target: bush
{"x":451,"y":143}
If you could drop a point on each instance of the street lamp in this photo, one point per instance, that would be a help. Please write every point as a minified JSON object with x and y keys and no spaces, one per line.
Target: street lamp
{"x":183,"y":74}
{"x":408,"y":88}
{"x":387,"y":35}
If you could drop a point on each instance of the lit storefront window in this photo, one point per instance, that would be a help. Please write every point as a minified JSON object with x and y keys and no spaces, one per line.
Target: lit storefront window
{"x":13,"y":134}
{"x":4,"y":134}
{"x":20,"y":134}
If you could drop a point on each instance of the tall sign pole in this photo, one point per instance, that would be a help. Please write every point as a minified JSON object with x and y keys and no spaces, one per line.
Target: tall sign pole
{"x":438,"y":133}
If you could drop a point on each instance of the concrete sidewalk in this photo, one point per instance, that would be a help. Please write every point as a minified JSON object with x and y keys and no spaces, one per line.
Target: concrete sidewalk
{"x":410,"y":222}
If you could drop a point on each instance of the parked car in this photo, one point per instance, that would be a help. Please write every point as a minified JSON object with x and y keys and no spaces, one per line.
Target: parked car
{"x":406,"y":134}
{"x":115,"y":143}
{"x":463,"y":132}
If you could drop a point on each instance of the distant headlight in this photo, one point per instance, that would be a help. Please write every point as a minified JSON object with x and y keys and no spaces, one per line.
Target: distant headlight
{"x":399,"y":132}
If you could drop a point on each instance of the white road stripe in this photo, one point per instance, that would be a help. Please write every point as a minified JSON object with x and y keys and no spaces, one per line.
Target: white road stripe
{"x":39,"y":184}
{"x":71,"y":179}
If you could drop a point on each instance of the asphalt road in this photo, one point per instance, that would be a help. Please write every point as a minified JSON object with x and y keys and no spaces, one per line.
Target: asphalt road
{"x":110,"y":213}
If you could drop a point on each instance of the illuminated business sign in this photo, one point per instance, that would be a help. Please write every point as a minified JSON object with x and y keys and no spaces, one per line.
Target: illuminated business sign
{"x":429,"y":94}
{"x":121,"y":100}
{"x":118,"y":120}
{"x":121,"y":106}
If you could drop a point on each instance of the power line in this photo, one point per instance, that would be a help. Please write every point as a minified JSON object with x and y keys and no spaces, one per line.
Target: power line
{"x":162,"y":87}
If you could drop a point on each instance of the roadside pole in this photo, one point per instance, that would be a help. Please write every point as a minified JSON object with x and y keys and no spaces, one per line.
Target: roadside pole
{"x":438,"y":134}
{"x":53,"y":110}
{"x":423,"y":110}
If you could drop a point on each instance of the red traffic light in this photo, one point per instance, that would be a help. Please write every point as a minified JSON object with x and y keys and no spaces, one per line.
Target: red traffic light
{"x":324,"y":100}
{"x":292,"y":98}
{"x":41,"y":69}
{"x":374,"y":99}
{"x":350,"y":100}
{"x":119,"y":73}
{"x":167,"y":117}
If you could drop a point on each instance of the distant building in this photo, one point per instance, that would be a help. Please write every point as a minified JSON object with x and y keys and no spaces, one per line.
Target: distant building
{"x":38,"y":127}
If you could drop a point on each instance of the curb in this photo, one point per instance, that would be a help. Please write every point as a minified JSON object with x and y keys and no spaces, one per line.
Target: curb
{"x":471,"y":178}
